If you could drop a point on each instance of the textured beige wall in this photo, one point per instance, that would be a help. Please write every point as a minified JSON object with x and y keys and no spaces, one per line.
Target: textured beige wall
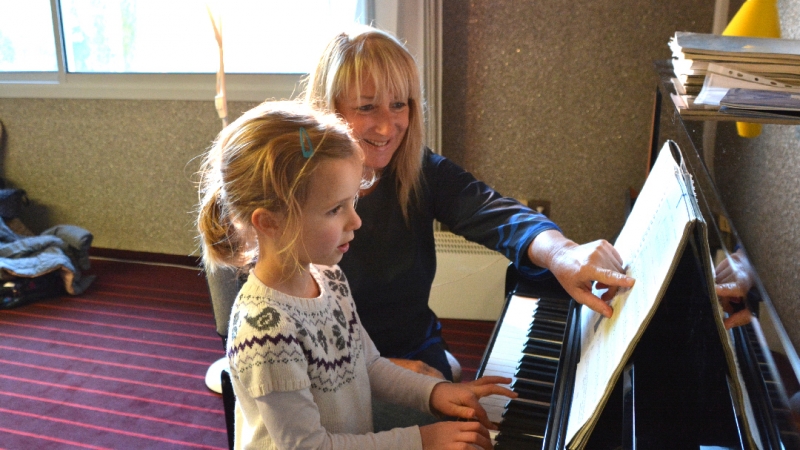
{"x":554,"y":102}
{"x":121,"y":169}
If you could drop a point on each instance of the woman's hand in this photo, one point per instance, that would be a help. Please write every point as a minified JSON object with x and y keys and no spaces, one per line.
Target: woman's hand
{"x":732,"y":282}
{"x":578,"y":267}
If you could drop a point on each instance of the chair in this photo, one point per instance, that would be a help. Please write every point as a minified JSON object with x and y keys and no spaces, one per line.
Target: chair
{"x":223,"y":285}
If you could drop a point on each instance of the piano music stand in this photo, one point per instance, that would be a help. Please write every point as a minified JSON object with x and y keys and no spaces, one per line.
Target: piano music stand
{"x":675,"y":389}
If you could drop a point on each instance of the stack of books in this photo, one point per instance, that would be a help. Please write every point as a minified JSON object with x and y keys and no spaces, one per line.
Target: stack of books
{"x":731,"y":77}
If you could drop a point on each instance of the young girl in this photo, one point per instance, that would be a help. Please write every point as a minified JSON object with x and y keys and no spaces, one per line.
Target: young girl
{"x":278,"y":192}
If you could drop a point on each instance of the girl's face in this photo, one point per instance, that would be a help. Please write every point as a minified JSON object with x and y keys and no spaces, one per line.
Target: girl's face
{"x":329,"y":215}
{"x":379,"y":127}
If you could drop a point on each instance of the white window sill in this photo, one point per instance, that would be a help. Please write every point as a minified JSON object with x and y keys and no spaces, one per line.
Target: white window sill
{"x":152,"y":86}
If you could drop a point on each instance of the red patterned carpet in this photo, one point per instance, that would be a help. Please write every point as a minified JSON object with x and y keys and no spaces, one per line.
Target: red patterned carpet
{"x":123,"y":365}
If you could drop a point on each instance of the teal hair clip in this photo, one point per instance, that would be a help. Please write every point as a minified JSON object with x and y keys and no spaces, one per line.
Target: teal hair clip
{"x":305,"y":139}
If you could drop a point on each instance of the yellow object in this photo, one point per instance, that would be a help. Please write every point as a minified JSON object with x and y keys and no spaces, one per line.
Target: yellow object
{"x":748,"y":130}
{"x":756,"y":18}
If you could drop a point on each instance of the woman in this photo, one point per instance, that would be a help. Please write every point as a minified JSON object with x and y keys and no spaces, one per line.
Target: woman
{"x":371,"y":80}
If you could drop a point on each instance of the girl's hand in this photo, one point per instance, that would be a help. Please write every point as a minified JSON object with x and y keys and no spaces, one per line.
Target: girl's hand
{"x":461,"y":399}
{"x":455,"y":436}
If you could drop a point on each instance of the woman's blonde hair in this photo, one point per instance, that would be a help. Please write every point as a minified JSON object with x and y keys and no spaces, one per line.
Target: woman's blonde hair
{"x":264,"y":159}
{"x":370,"y":53}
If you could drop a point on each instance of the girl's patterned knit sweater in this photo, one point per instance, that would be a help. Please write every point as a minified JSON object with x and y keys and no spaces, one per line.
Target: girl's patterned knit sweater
{"x":301,"y":348}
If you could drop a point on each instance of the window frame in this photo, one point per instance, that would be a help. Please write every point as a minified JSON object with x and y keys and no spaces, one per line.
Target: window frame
{"x":154,"y":86}
{"x":238,"y":87}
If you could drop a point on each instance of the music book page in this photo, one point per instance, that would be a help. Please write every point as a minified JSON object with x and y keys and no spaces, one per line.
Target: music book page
{"x":649,"y":243}
{"x":663,"y":219}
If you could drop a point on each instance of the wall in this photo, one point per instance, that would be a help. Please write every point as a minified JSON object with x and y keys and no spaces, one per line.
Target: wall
{"x":555,"y":103}
{"x":121,"y":169}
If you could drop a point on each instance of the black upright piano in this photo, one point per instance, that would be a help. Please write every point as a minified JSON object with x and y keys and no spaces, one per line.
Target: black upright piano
{"x":675,"y":392}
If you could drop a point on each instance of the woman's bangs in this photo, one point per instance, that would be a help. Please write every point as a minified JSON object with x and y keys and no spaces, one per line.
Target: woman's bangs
{"x":391,"y":79}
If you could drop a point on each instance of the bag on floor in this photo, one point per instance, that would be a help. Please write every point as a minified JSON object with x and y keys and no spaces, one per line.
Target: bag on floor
{"x":22,"y":291}
{"x":11,"y":202}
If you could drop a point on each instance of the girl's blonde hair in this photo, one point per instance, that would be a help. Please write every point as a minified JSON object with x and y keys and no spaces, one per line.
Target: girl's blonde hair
{"x":262,"y":160}
{"x":370,"y":53}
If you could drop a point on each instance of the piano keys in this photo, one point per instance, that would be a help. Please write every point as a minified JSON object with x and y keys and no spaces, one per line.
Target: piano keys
{"x":767,"y":388}
{"x":527,"y":347}
{"x":504,"y":351}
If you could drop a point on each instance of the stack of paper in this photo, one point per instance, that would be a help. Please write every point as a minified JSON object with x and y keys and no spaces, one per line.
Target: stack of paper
{"x":730,"y":75}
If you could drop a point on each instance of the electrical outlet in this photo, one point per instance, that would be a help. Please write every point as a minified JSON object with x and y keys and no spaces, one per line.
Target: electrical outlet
{"x":542,"y":206}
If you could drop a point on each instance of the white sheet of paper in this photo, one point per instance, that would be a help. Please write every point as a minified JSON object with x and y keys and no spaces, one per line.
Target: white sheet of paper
{"x":648,"y":245}
{"x":717,"y":84}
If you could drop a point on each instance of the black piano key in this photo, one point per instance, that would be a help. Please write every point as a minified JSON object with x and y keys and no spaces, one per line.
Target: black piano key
{"x":552,"y":301}
{"x":554,"y":337}
{"x":545,"y":322}
{"x":544,"y":327}
{"x":524,"y":425}
{"x":766,"y":371}
{"x":551,"y":336}
{"x":554,"y":306}
{"x":542,"y":348}
{"x":524,"y":383}
{"x":531,"y":374}
{"x":518,"y":442}
{"x":526,"y":406}
{"x":550,"y":333}
{"x":520,"y":424}
{"x":536,"y":393}
{"x":545,"y":340}
{"x":534,"y":361}
{"x":550,"y":316}
{"x":529,"y":413}
{"x":532,"y":368}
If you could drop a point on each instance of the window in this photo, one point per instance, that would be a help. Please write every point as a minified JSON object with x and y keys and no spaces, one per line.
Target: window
{"x":26,"y":37}
{"x":164,"y":49}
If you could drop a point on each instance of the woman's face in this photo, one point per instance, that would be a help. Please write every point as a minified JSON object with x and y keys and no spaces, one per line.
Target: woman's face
{"x":379,"y":127}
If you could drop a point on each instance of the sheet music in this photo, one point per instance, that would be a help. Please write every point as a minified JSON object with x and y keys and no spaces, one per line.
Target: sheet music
{"x":649,"y":244}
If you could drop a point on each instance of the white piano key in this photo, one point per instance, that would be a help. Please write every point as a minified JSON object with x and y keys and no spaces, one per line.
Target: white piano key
{"x":494,"y":406}
{"x":507,"y":349}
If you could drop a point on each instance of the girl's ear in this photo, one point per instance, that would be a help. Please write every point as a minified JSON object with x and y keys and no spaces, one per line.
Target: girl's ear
{"x":267,"y":222}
